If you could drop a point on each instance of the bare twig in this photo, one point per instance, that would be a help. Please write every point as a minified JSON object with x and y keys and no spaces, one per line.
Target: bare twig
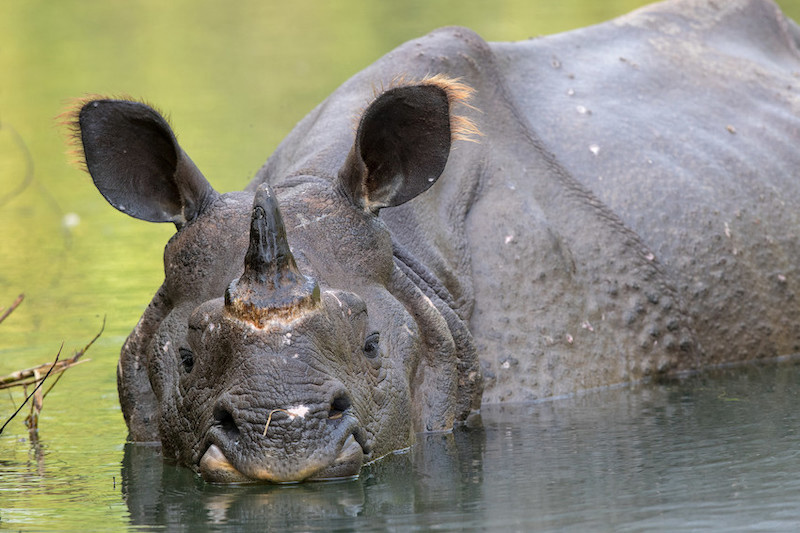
{"x":77,"y":356}
{"x":30,"y":376}
{"x":269,"y":418}
{"x":13,"y":306}
{"x":294,"y":412}
{"x":34,"y":391}
{"x":23,"y":378}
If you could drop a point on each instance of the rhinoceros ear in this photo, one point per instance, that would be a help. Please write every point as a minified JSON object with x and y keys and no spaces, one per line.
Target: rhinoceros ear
{"x":402,"y":144}
{"x":136,"y":162}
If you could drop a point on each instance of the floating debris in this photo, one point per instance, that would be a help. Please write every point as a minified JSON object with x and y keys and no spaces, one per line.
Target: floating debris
{"x":37,"y":375}
{"x":298,"y":411}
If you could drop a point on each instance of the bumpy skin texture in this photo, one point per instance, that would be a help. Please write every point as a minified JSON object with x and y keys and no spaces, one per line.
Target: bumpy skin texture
{"x":324,"y":351}
{"x":631,"y":209}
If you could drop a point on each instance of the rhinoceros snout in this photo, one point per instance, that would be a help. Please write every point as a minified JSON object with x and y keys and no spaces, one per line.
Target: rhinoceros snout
{"x":339,"y":405}
{"x":302,"y":439}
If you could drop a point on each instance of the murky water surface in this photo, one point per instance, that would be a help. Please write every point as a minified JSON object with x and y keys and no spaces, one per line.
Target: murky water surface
{"x":718,"y":452}
{"x":715,"y":452}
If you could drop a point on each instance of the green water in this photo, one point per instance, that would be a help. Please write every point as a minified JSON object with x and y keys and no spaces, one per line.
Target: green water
{"x":716,"y":452}
{"x":234,"y":78}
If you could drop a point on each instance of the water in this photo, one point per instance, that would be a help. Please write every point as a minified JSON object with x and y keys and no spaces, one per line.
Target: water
{"x":713,"y":453}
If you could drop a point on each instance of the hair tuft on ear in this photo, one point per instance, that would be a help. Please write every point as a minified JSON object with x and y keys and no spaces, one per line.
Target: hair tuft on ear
{"x":68,"y":122}
{"x":403,"y":140}
{"x":462,"y":128}
{"x":134,"y":159}
{"x":458,"y":93}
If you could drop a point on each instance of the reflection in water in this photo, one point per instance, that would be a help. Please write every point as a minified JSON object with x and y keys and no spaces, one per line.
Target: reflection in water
{"x":706,"y":453}
{"x":422,"y":483}
{"x":161,"y":494}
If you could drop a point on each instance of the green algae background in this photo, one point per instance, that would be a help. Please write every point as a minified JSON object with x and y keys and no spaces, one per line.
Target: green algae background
{"x":233,"y":78}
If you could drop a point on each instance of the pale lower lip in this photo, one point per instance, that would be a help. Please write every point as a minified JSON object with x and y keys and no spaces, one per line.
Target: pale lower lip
{"x":216,"y":468}
{"x":347,"y":464}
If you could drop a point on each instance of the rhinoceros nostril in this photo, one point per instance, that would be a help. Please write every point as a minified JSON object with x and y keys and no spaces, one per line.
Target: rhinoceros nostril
{"x":339,"y":405}
{"x":224,"y":419}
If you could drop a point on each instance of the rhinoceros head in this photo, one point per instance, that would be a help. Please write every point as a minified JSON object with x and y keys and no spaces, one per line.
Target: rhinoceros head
{"x":285,"y":343}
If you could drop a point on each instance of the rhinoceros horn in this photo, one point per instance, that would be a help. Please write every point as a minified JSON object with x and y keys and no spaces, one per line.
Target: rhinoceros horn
{"x":272,"y":290}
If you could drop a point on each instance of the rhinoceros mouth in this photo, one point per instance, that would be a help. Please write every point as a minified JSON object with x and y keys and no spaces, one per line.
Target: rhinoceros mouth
{"x":347,"y":464}
{"x":215,"y":467}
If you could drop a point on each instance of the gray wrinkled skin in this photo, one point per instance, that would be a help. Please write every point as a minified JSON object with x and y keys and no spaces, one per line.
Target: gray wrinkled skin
{"x":241,"y":374}
{"x":630,"y":210}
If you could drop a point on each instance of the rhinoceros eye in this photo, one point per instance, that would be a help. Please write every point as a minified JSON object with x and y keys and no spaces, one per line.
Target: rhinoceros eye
{"x":372,"y":345}
{"x":187,"y":359}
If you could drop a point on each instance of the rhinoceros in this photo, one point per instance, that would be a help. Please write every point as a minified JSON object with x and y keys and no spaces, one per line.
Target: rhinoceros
{"x":466,"y":222}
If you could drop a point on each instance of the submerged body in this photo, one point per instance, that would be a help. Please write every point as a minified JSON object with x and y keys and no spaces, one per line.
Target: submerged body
{"x":629,"y":209}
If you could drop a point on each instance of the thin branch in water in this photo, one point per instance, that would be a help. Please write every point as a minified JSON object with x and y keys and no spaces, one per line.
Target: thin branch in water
{"x":23,"y":378}
{"x":76,"y":356}
{"x":13,"y":306}
{"x":34,"y":391}
{"x":30,"y":376}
